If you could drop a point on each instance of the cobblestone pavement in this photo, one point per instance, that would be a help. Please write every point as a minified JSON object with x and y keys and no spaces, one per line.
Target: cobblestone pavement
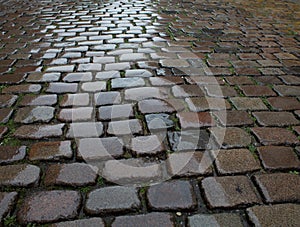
{"x":149,"y":113}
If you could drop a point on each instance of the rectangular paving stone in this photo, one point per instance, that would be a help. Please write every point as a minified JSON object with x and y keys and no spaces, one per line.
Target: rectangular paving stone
{"x":229,"y":192}
{"x":222,"y":219}
{"x":94,"y":86}
{"x":275,"y":118}
{"x":74,"y":174}
{"x":63,"y":68}
{"x":23,"y":88}
{"x":107,"y":98}
{"x":257,"y":90}
{"x":103,"y":60}
{"x":34,"y":114}
{"x":89,"y":67}
{"x":91,"y":149}
{"x":198,"y":104}
{"x":127,"y":82}
{"x":195,"y":120}
{"x":287,"y":90}
{"x":131,"y":172}
{"x":160,"y":106}
{"x":117,"y":66}
{"x":54,"y":150}
{"x":112,"y":199}
{"x":275,"y":136}
{"x":78,"y":77}
{"x":235,"y":161}
{"x":245,"y":103}
{"x":164,"y":196}
{"x":146,"y":220}
{"x":230,"y":137}
{"x":165,"y":81}
{"x":7,"y":200}
{"x":9,"y":154}
{"x":60,"y":87}
{"x":19,"y":175}
{"x":125,"y":127}
{"x":278,"y":157}
{"x":85,"y":129}
{"x":133,"y":57}
{"x":141,"y":93}
{"x":38,"y":100}
{"x":138,"y":73}
{"x":189,"y":90}
{"x":279,"y":187}
{"x":233,"y":118}
{"x":107,"y":75}
{"x":91,"y":222}
{"x":114,"y":112}
{"x":49,"y":206}
{"x":188,"y":140}
{"x":275,"y":215}
{"x":189,"y":164}
{"x":174,"y":63}
{"x":284,"y":103}
{"x":39,"y":131}
{"x":78,"y":99}
{"x":76,"y":114}
{"x":7,"y":100}
{"x":147,"y":145}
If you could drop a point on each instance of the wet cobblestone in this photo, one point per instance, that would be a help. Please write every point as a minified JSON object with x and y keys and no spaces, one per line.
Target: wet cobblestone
{"x":191,"y":106}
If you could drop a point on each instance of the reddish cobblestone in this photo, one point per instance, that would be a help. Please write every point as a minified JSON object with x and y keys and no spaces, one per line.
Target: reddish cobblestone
{"x":7,"y":100}
{"x":279,"y":187}
{"x":189,"y":164}
{"x":245,"y":103}
{"x":9,"y":154}
{"x":235,"y":161}
{"x":276,"y":157}
{"x":19,"y":175}
{"x":38,"y":132}
{"x":195,"y":120}
{"x":76,"y":174}
{"x":50,"y":150}
{"x":38,"y":100}
{"x":275,"y":118}
{"x":231,"y":137}
{"x":275,"y":136}
{"x":255,"y":90}
{"x":275,"y":215}
{"x":229,"y":191}
{"x":48,"y":206}
{"x":284,"y":103}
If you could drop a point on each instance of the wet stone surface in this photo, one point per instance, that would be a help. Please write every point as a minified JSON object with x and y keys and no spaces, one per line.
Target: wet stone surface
{"x":9,"y":154}
{"x":49,"y":206}
{"x":149,"y":113}
{"x":176,"y":195}
{"x":19,"y":175}
{"x":112,"y":199}
{"x":7,"y":200}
